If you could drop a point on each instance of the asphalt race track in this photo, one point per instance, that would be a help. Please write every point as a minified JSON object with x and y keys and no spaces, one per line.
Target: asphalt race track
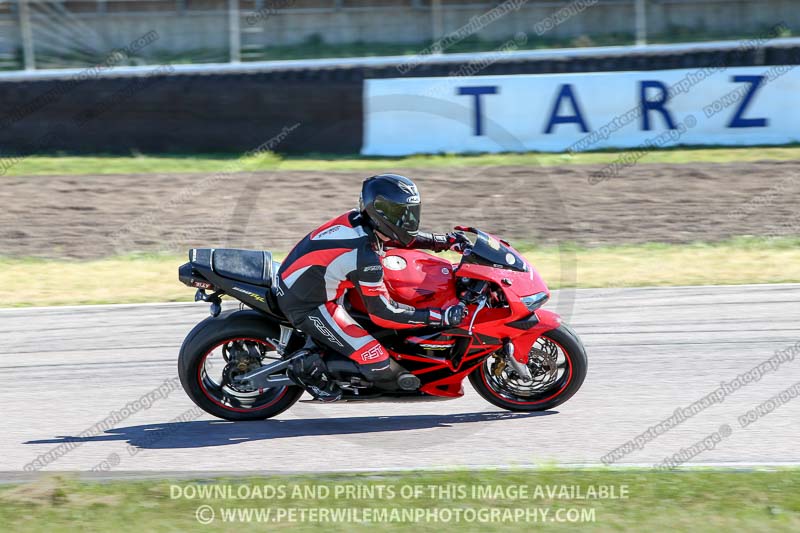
{"x":650,"y":351}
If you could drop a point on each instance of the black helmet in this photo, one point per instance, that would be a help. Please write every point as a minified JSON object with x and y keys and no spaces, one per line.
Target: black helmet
{"x":391,"y":202}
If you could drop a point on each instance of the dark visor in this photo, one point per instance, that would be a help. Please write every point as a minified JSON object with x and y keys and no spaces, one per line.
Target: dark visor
{"x":405,"y":216}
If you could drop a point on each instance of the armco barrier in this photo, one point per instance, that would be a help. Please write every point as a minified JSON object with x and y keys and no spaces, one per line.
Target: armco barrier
{"x":235,"y":108}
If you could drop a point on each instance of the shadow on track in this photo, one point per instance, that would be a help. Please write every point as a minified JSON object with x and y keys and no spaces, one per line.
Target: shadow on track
{"x":203,"y":433}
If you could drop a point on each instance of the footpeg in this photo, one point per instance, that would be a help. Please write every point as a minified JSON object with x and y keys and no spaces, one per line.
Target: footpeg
{"x":408,"y":381}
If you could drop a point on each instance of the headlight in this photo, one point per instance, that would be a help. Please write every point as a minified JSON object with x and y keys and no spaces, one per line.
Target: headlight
{"x":535,"y":301}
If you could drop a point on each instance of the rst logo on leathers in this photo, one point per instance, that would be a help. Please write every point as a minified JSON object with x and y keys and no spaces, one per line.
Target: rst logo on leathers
{"x":325,"y":331}
{"x":327,"y":233}
{"x":375,"y":352}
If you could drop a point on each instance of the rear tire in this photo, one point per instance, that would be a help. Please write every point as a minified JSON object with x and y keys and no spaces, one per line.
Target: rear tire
{"x":210,"y":334}
{"x":575,"y":355}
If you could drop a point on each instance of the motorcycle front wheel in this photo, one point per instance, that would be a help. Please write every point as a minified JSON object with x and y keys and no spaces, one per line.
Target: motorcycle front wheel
{"x":558,"y":365}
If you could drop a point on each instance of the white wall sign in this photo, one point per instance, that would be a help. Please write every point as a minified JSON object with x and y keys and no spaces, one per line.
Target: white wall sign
{"x":579,"y":112}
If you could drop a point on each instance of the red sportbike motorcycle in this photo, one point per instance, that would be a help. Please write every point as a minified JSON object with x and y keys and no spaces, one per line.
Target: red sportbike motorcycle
{"x":517,"y":355}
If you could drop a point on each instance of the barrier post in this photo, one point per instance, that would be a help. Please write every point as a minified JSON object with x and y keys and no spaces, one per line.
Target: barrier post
{"x":26,"y":34}
{"x":234,"y":33}
{"x":437,"y":22}
{"x":641,"y":22}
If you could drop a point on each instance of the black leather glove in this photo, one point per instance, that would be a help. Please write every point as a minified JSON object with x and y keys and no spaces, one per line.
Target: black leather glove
{"x":458,"y":242}
{"x":449,"y":316}
{"x":449,"y":241}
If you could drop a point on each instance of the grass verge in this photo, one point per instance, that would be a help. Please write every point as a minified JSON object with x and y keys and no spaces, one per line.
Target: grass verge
{"x":154,"y":278}
{"x":692,"y":500}
{"x":210,"y":163}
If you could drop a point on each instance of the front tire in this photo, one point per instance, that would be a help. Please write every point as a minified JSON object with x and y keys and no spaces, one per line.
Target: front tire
{"x":502,"y":392}
{"x":218,"y":335}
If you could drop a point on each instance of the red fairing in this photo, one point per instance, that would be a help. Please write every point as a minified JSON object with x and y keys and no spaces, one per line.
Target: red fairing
{"x":422,"y":280}
{"x":419,"y":279}
{"x":523,"y":343}
{"x":492,"y":323}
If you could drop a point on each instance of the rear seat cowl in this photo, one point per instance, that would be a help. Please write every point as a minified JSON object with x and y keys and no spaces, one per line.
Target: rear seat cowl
{"x":201,"y":256}
{"x":249,"y":266}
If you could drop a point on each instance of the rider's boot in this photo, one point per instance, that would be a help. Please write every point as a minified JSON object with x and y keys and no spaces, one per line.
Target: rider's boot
{"x":389,"y":374}
{"x":309,"y":370}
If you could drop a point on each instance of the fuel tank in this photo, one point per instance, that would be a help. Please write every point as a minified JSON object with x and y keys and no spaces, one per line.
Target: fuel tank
{"x":419,"y":279}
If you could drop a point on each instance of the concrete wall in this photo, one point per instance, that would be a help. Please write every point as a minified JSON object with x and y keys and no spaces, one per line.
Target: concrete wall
{"x":394,"y":22}
{"x":234,"y":109}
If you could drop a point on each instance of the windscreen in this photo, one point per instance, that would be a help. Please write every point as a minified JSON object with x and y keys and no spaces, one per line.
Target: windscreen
{"x":490,"y":251}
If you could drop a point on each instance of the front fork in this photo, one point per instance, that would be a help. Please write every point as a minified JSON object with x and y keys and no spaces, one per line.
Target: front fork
{"x":520,"y":367}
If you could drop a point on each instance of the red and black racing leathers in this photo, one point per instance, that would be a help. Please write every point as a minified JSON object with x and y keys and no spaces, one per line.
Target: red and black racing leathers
{"x":338,"y":256}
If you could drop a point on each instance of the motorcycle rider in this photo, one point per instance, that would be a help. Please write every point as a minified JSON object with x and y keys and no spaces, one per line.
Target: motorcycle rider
{"x":343,"y":254}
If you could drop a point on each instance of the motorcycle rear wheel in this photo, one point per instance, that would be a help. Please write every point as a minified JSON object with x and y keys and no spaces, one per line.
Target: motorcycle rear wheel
{"x":205,"y":383}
